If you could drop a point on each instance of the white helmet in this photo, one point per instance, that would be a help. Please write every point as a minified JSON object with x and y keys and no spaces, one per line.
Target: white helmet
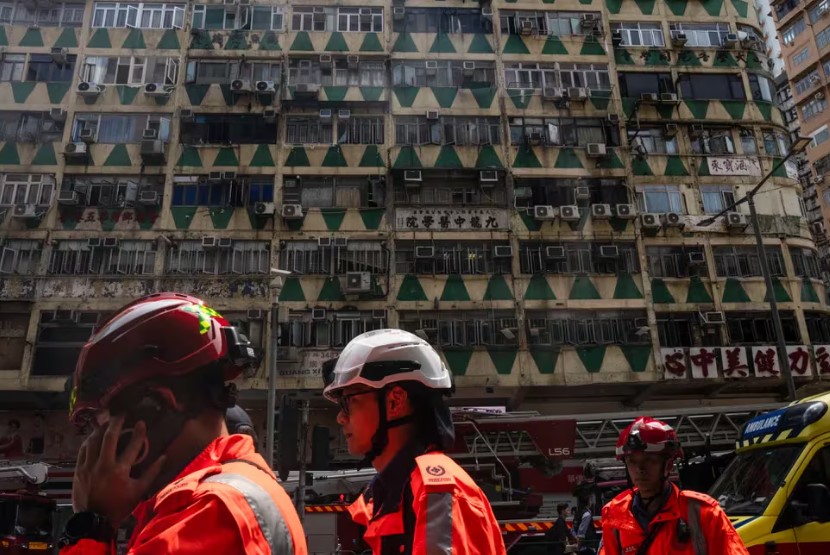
{"x":381,"y":357}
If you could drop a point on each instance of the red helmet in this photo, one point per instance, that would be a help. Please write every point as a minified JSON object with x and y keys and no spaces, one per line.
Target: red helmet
{"x":161,"y":335}
{"x":649,"y":435}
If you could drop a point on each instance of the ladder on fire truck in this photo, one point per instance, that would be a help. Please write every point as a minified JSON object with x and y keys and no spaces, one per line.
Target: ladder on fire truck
{"x":13,"y":477}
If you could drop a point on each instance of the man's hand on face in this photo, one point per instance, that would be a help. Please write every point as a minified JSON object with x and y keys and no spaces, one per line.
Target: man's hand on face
{"x":102,"y":481}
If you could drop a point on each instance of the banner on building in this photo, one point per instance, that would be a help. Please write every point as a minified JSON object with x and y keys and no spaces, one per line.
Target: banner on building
{"x":450,"y":219}
{"x":310,"y":366}
{"x":734,"y":165}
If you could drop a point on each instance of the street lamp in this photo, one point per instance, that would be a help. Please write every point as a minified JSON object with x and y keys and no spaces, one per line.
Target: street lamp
{"x":798,"y":146}
{"x":275,"y":286}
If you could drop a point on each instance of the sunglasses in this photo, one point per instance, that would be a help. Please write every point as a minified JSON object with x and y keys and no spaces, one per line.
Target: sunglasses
{"x":345,"y":401}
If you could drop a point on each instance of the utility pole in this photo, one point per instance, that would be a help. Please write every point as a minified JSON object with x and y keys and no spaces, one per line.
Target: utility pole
{"x":303,"y":458}
{"x":275,"y":286}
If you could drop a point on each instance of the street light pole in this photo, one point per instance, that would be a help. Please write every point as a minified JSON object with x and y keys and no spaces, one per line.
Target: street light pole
{"x":274,"y":287}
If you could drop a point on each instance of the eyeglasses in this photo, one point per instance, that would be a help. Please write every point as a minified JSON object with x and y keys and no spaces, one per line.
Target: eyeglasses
{"x":345,"y":400}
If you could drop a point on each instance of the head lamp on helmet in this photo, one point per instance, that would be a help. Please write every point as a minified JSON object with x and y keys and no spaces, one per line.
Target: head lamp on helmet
{"x":648,"y":435}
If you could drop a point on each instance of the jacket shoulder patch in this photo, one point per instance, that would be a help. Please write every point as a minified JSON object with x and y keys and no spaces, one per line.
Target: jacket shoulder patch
{"x":436,"y":472}
{"x":180,"y":493}
{"x":699,"y":497}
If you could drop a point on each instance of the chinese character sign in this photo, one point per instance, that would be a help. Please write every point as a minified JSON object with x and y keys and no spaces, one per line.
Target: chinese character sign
{"x":765,"y":360}
{"x":734,"y":165}
{"x":734,"y":362}
{"x":798,"y":357}
{"x":704,"y":362}
{"x":674,"y":363}
{"x":823,"y":360}
{"x":450,"y":219}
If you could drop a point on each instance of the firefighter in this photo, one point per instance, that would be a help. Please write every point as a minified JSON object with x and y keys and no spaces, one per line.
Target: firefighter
{"x":655,"y":516}
{"x":151,"y":384}
{"x":390,"y":386}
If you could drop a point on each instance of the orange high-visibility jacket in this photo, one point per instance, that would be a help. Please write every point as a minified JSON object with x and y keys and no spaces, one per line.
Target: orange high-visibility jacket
{"x":708,"y":529}
{"x":452,"y":515}
{"x":233,"y":508}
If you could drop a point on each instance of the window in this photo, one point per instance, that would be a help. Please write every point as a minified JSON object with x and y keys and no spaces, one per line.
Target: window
{"x":462,"y":328}
{"x":334,"y":191}
{"x":360,"y":130}
{"x":563,"y":24}
{"x":362,"y":20}
{"x":44,"y":70}
{"x":713,"y":141}
{"x":748,"y":143}
{"x":794,"y":29}
{"x":775,"y":143}
{"x":718,"y":86}
{"x":579,"y":258}
{"x":813,"y":107}
{"x":239,"y":17}
{"x":336,"y":330}
{"x":249,"y":129}
{"x":450,"y":258}
{"x":206,"y":72}
{"x":535,"y":76}
{"x":449,"y":188}
{"x":818,"y":327}
{"x":760,"y":87}
{"x":805,"y":262}
{"x":819,"y":10}
{"x":807,"y":82}
{"x":20,"y":257}
{"x":29,"y":127}
{"x":267,"y":18}
{"x":755,"y":38}
{"x":142,"y":16}
{"x":676,"y":262}
{"x":823,"y":38}
{"x":446,"y":73}
{"x":563,"y":131}
{"x":582,"y":327}
{"x":660,"y":198}
{"x":562,"y":191}
{"x":462,"y":131}
{"x":308,"y":258}
{"x":237,"y":192}
{"x":820,"y":136}
{"x":129,"y":70}
{"x":678,"y":329}
{"x":120,"y":128}
{"x":739,"y":261}
{"x":716,"y":198}
{"x":57,"y":14}
{"x":640,"y":34}
{"x":78,"y":257}
{"x":312,"y":18}
{"x":11,"y":67}
{"x":442,"y":20}
{"x":308,"y":130}
{"x":633,"y":85}
{"x":111,"y":191}
{"x":241,"y":258}
{"x":701,"y":34}
{"x":826,"y":67}
{"x":340,"y":74}
{"x":24,"y":188}
{"x":60,"y":336}
{"x":653,"y":140}
{"x":800,"y":57}
{"x":756,"y":328}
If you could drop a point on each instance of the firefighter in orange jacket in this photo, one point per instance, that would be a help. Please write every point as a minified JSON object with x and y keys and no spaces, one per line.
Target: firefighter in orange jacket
{"x":151,"y":383}
{"x":655,"y":517}
{"x":390,"y":386}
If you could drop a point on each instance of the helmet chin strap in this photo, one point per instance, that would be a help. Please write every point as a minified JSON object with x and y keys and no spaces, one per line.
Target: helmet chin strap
{"x":381,"y":437}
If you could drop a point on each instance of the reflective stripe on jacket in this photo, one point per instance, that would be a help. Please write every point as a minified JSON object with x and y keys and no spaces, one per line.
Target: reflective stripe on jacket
{"x":690,"y":523}
{"x":218,"y":504}
{"x":452,"y":515}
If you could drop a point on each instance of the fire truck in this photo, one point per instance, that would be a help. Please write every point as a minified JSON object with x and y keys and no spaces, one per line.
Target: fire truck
{"x":27,"y":515}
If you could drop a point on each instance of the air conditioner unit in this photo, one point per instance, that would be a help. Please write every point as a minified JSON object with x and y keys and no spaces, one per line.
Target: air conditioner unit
{"x":186,"y":114}
{"x":679,"y":39}
{"x":25,"y":211}
{"x":601,"y":211}
{"x":609,"y":251}
{"x":318,"y":313}
{"x":307,"y":89}
{"x":412,"y":175}
{"x":736,"y":220}
{"x":502,"y":251}
{"x":616,"y":38}
{"x":319,"y":10}
{"x":255,"y":314}
{"x":358,"y":282}
{"x":668,"y":98}
{"x":569,"y":213}
{"x":819,"y":95}
{"x":77,"y":149}
{"x":88,"y":89}
{"x":671,"y":130}
{"x":325,"y":114}
{"x":730,"y":40}
{"x":398,"y":14}
{"x":152,"y":147}
{"x":291,"y":211}
{"x":649,"y":98}
{"x":215,"y":176}
{"x":352,"y":61}
{"x":526,"y":27}
{"x":344,"y":114}
{"x":365,"y":13}
{"x":324,"y":241}
{"x":534,"y":138}
{"x":87,"y":135}
{"x":487,"y":13}
{"x":589,"y":20}
{"x":264,"y":208}
{"x":596,"y":150}
{"x":159,"y":90}
{"x":208,"y":242}
{"x":713,"y":318}
{"x":266,"y":87}
{"x":148,"y":198}
{"x":582,"y":193}
{"x":626,"y":211}
{"x":544,"y":213}
{"x":228,"y":176}
{"x":613,"y":119}
{"x":425,"y":252}
{"x":650,"y":221}
{"x":553,"y":93}
{"x":697,"y":258}
{"x":488,"y":176}
{"x":269,"y":115}
{"x":93,"y":242}
{"x":240,"y":86}
{"x":109,"y":242}
{"x":57,"y":114}
{"x":378,"y":313}
{"x":577,"y":93}
{"x":468,"y":68}
{"x":67,"y":198}
{"x":555,"y":252}
{"x":523,"y":192}
{"x":431,"y":67}
{"x":150,"y":133}
{"x":59,"y":55}
{"x":695,"y":130}
{"x":673,"y":219}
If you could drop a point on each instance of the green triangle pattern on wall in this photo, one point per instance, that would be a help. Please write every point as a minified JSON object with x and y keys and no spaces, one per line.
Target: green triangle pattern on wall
{"x":697,"y":291}
{"x":99,"y":39}
{"x":169,"y":41}
{"x":371,"y":217}
{"x":200,"y":40}
{"x":646,"y":6}
{"x":675,"y":167}
{"x":236,"y":41}
{"x":9,"y":155}
{"x":480,"y":45}
{"x":655,"y":58}
{"x":442,"y":44}
{"x":458,"y":360}
{"x":270,"y":41}
{"x":45,"y":155}
{"x":220,"y":217}
{"x":404,"y":43}
{"x":292,"y":291}
{"x":297,"y":157}
{"x":182,"y":216}
{"x":660,"y":293}
{"x":406,"y":95}
{"x":488,"y":158}
{"x":553,"y":46}
{"x":808,"y":292}
{"x":712,"y":7}
{"x":526,"y":158}
{"x":754,"y":62}
{"x":640,"y":166}
{"x":4,"y":40}
{"x":733,"y":292}
{"x":302,"y":43}
{"x":591,"y":357}
{"x":411,"y":289}
{"x":592,"y":47}
{"x":126,"y":94}
{"x":454,"y":289}
{"x":600,"y":99}
{"x":724,"y":58}
{"x":226,"y":157}
{"x":503,"y":359}
{"x":57,"y":91}
{"x":781,"y":294}
{"x":67,"y":39}
{"x":613,"y":6}
{"x":583,"y":289}
{"x":531,"y":223}
{"x":262,"y":158}
{"x":32,"y":38}
{"x":703,"y":170}
{"x":735,"y":108}
{"x":448,"y":158}
{"x":371,"y":158}
{"x":21,"y":90}
{"x":741,"y":7}
{"x":484,"y":96}
{"x":196,"y":93}
{"x":545,"y":358}
{"x":677,"y":7}
{"x":331,"y":290}
{"x":407,"y":159}
{"x":637,"y":356}
{"x":766,"y":110}
{"x":190,"y":157}
{"x":626,"y":287}
{"x":698,"y":108}
{"x":611,"y":161}
{"x":623,"y":57}
{"x":497,"y":289}
{"x":515,"y":45}
{"x":336,"y":43}
{"x":118,"y":157}
{"x":334,"y":158}
{"x":134,"y":40}
{"x":567,"y":159}
{"x":371,"y":43}
{"x":445,"y":96}
{"x":538,"y":289}
{"x":520,"y":97}
{"x":688,"y":58}
{"x":335,"y":93}
{"x":371,"y":94}
{"x":333,"y":217}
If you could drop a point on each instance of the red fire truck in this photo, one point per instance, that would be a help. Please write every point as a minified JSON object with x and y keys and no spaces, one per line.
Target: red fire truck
{"x":26,"y":514}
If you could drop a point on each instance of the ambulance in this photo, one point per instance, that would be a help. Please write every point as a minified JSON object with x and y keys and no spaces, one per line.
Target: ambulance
{"x":777,"y":489}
